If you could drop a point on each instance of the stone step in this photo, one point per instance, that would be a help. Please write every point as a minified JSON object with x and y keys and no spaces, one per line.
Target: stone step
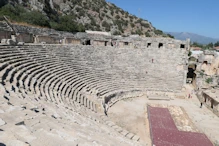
{"x":154,"y":97}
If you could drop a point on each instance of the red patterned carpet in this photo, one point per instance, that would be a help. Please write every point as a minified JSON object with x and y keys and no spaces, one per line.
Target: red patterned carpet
{"x":165,"y":133}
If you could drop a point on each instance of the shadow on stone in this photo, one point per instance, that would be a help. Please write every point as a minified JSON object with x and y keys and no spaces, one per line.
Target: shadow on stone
{"x":20,"y":123}
{"x":1,"y":144}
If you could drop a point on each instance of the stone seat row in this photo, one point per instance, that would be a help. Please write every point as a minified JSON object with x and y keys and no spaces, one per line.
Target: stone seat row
{"x":9,"y":68}
{"x":21,"y":68}
{"x":77,"y":60}
{"x":79,"y":72}
{"x":59,"y":112}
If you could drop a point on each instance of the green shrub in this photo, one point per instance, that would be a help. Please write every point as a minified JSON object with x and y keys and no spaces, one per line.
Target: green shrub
{"x":126,"y":14}
{"x":12,"y":12}
{"x":216,"y":44}
{"x":105,"y":11}
{"x":87,"y":26}
{"x":106,"y":25}
{"x":139,"y":32}
{"x":158,"y":32}
{"x":19,"y":14}
{"x":139,"y":21}
{"x":98,"y":27}
{"x":66,"y":23}
{"x":116,"y":33}
{"x":201,"y":73}
{"x":170,"y":36}
{"x":132,"y":32}
{"x":112,"y":12}
{"x":35,"y":18}
{"x":93,"y":22}
{"x":147,"y":34}
{"x":103,"y":14}
{"x":146,"y":25}
{"x":117,"y":11}
{"x":209,"y":80}
{"x":51,"y":20}
{"x":190,"y":53}
{"x":117,"y":17}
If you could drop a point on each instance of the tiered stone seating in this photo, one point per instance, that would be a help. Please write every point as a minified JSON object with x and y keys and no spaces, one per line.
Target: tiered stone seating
{"x":105,"y":78}
{"x":30,"y":122}
{"x":81,"y":77}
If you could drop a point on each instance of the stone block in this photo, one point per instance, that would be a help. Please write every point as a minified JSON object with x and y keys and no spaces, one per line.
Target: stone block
{"x":110,"y":123}
{"x":136,"y":138}
{"x":124,"y":132}
{"x":4,"y":41}
{"x":216,"y":143}
{"x":154,"y":97}
{"x":10,"y":42}
{"x":130,"y":135}
{"x":118,"y":129}
{"x":20,"y":43}
{"x":2,"y":122}
{"x":16,"y":143}
{"x":180,"y":95}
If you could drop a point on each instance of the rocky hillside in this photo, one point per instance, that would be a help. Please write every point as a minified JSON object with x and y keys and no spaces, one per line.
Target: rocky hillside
{"x":77,"y":15}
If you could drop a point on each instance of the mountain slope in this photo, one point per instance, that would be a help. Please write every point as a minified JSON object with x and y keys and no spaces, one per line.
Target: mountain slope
{"x":75,"y":15}
{"x":193,"y":37}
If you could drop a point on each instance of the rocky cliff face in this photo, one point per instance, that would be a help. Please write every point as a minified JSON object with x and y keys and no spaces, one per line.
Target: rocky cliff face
{"x":89,"y":14}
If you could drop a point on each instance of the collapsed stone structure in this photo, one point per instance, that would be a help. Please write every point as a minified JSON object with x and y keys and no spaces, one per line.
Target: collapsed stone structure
{"x":206,"y":78}
{"x":81,"y":79}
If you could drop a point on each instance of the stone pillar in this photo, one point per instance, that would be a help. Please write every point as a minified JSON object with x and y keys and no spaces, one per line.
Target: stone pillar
{"x":188,"y":44}
{"x":64,"y":41}
{"x":36,"y":40}
{"x":13,"y":38}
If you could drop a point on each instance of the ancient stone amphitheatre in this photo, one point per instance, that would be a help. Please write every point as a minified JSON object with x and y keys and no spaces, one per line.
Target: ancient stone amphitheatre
{"x":96,"y":89}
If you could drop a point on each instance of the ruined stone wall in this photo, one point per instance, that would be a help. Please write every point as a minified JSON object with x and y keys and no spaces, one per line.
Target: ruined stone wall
{"x":5,"y":35}
{"x":99,"y":43}
{"x":207,"y":70}
{"x":210,"y":99}
{"x":48,"y":40}
{"x":71,"y":41}
{"x":25,"y":37}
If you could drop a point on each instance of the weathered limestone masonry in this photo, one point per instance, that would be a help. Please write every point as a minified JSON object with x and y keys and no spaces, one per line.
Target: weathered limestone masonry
{"x":129,"y":63}
{"x":211,"y":100}
{"x":43,"y":103}
{"x":207,"y":79}
{"x":27,"y":34}
{"x":5,"y":31}
{"x":57,"y":89}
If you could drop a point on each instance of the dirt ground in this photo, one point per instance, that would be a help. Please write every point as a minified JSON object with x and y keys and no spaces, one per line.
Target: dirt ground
{"x":131,"y":114}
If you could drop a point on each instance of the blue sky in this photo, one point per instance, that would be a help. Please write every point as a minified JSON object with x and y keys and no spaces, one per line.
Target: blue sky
{"x":195,"y":16}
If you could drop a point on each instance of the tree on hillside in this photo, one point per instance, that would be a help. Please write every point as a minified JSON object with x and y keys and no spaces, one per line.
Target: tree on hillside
{"x":158,"y":32}
{"x":210,"y":45}
{"x":216,"y":44}
{"x":169,"y":35}
{"x":195,"y":44}
{"x":68,"y":24}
